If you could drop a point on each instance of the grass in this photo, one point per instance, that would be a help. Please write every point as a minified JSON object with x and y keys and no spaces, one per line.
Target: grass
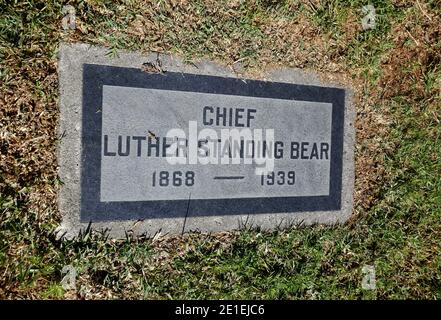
{"x":395,"y":72}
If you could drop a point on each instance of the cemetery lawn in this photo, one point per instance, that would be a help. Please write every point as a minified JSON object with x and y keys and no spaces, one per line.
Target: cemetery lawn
{"x":395,"y":70}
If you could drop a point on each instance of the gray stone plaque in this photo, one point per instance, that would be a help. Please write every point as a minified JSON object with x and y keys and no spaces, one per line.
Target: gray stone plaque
{"x":197,"y":148}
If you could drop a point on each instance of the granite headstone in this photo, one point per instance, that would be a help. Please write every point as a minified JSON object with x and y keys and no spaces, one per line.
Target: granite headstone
{"x":150,"y":144}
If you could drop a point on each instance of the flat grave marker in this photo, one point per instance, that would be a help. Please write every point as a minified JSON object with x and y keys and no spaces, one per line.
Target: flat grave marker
{"x":197,"y":148}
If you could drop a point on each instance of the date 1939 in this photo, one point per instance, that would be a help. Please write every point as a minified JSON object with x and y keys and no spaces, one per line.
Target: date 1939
{"x":278,"y":178}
